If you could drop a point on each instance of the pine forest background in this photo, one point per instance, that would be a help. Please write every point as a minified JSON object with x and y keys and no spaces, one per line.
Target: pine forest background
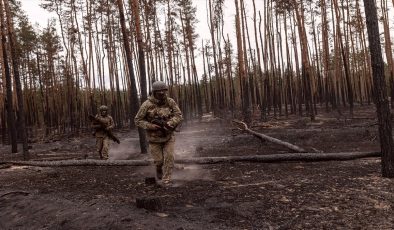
{"x":289,"y":57}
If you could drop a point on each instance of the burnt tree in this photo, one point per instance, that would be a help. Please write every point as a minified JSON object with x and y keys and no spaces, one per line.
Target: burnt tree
{"x":134,"y":105}
{"x":380,"y":90}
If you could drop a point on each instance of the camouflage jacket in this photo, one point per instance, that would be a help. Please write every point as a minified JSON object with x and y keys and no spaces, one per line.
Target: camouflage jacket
{"x":151,"y":110}
{"x":109,"y":124}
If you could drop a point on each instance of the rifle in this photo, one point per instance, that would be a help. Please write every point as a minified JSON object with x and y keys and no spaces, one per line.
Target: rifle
{"x":103,"y":127}
{"x":164,"y":127}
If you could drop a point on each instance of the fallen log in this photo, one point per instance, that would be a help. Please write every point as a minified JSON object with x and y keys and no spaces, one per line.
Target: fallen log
{"x":270,"y":158}
{"x":88,"y":162}
{"x":270,"y":139}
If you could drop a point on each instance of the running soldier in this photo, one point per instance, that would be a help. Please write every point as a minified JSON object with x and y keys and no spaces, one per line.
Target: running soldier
{"x":159,"y":115}
{"x":103,"y":125}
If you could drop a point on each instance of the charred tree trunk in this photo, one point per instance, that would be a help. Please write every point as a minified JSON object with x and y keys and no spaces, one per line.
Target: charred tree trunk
{"x":18,"y":88}
{"x":380,"y":90}
{"x":141,"y":61}
{"x":9,"y":102}
{"x":241,"y":67}
{"x":134,"y":104}
{"x":267,"y":158}
{"x":141,"y":54}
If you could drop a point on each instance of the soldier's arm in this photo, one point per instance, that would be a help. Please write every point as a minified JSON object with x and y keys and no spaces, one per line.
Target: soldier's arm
{"x":96,"y":124}
{"x":140,"y":118}
{"x":177,"y":117}
{"x":111,"y":124}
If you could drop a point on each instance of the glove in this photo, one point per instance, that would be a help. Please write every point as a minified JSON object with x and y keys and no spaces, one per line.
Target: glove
{"x":170,"y":125}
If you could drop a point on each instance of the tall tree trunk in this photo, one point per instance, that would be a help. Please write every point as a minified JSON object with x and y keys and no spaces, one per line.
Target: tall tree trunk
{"x":141,"y":61}
{"x":380,"y":90}
{"x":388,"y":50}
{"x":344,"y":58}
{"x":212,"y":24}
{"x":9,"y":102}
{"x":306,"y":68}
{"x":326,"y":52}
{"x":15,"y":68}
{"x":134,"y":104}
{"x":241,"y":67}
{"x":140,"y":44}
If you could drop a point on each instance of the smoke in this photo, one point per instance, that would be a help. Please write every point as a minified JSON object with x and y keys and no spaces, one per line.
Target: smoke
{"x":127,"y":149}
{"x":191,"y":173}
{"x":188,"y":142}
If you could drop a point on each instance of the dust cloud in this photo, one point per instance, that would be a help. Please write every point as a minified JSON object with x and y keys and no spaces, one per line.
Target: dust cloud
{"x":188,"y":141}
{"x":128,"y":148}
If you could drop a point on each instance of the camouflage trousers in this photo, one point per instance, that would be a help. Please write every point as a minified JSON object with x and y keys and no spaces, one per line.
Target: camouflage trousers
{"x":163,"y":156}
{"x":102,"y":147}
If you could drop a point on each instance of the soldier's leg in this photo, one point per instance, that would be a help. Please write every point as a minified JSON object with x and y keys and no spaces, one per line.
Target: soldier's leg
{"x":105,"y":150}
{"x":168,"y":154}
{"x":156,"y":150}
{"x":99,"y":146}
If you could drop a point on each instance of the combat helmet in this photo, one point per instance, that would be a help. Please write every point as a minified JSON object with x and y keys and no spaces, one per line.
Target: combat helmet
{"x":103,"y":107}
{"x":159,"y":85}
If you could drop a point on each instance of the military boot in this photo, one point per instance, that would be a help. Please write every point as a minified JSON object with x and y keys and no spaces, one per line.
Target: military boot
{"x":159,"y":172}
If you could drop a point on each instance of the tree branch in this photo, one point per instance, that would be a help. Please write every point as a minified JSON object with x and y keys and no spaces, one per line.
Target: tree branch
{"x":270,"y":139}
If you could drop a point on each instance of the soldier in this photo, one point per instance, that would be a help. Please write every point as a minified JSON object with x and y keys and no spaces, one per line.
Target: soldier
{"x":160,"y":115}
{"x":103,"y":126}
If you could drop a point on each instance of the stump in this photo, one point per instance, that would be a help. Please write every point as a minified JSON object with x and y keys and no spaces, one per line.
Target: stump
{"x":149,"y":203}
{"x":150,"y":180}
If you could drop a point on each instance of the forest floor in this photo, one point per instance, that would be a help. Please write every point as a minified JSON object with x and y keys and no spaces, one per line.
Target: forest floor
{"x":242,"y":195}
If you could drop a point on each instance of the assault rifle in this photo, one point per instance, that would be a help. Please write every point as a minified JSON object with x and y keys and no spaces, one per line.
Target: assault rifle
{"x":103,"y":127}
{"x":164,"y":127}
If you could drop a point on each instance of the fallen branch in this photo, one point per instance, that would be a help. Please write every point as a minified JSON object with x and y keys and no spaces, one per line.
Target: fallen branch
{"x":14,"y":192}
{"x":5,"y":166}
{"x":307,"y":157}
{"x":270,"y":139}
{"x":365,"y":125}
{"x":363,"y":118}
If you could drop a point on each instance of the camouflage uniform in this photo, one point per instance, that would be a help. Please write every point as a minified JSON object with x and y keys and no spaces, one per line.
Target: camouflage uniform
{"x":161,"y":141}
{"x":102,"y":139}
